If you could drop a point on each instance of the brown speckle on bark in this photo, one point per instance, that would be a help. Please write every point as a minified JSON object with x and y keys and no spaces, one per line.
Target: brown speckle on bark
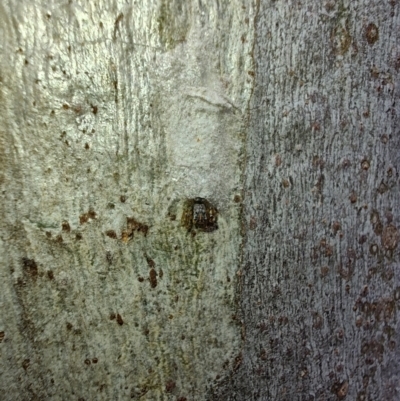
{"x":83,"y":218}
{"x":30,"y":267}
{"x":134,"y":225}
{"x":390,"y":237}
{"x":111,"y":234}
{"x":365,"y":164}
{"x":65,"y":226}
{"x":335,"y":227}
{"x":119,"y":319}
{"x":170,"y":386}
{"x":237,"y":198}
{"x":341,"y":389}
{"x":150,"y":262}
{"x":26,"y":363}
{"x":371,"y":33}
{"x":373,"y":249}
{"x":153,"y":278}
{"x":91,"y":214}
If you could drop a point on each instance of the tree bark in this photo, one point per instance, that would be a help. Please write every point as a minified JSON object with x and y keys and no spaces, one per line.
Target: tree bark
{"x":123,"y":128}
{"x":199,"y":200}
{"x":320,"y":276}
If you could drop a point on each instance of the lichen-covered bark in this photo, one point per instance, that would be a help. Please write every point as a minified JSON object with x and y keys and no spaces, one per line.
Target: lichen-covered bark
{"x":321,"y":278}
{"x":125,"y":130}
{"x":115,"y":116}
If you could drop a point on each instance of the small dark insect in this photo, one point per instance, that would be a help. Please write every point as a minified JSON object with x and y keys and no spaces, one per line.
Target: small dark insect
{"x":199,"y":214}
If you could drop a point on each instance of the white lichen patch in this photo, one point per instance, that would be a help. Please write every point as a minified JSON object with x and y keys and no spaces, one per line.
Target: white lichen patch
{"x":117,"y":117}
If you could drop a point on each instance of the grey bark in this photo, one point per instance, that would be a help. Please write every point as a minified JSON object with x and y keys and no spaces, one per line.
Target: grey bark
{"x":282,"y":117}
{"x":320,"y":276}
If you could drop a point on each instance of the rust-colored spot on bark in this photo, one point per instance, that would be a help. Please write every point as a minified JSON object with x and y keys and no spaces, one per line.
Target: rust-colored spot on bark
{"x":65,"y":226}
{"x":150,"y":262}
{"x":134,"y":225}
{"x":365,"y":164}
{"x":87,"y":361}
{"x":341,"y":389}
{"x":371,"y":33}
{"x":91,"y":214}
{"x":170,"y":386}
{"x":2,"y":335}
{"x":111,"y":234}
{"x":83,"y":218}
{"x":353,"y":197}
{"x":119,"y":319}
{"x":153,"y":278}
{"x":125,"y":236}
{"x":30,"y":267}
{"x":390,"y":237}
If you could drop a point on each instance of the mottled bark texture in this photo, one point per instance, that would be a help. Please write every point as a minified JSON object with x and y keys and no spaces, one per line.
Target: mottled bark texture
{"x":122,"y":146}
{"x":200,"y":200}
{"x":321,"y":277}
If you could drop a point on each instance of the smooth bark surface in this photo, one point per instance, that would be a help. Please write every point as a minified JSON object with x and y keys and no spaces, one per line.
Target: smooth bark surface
{"x":115,"y":117}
